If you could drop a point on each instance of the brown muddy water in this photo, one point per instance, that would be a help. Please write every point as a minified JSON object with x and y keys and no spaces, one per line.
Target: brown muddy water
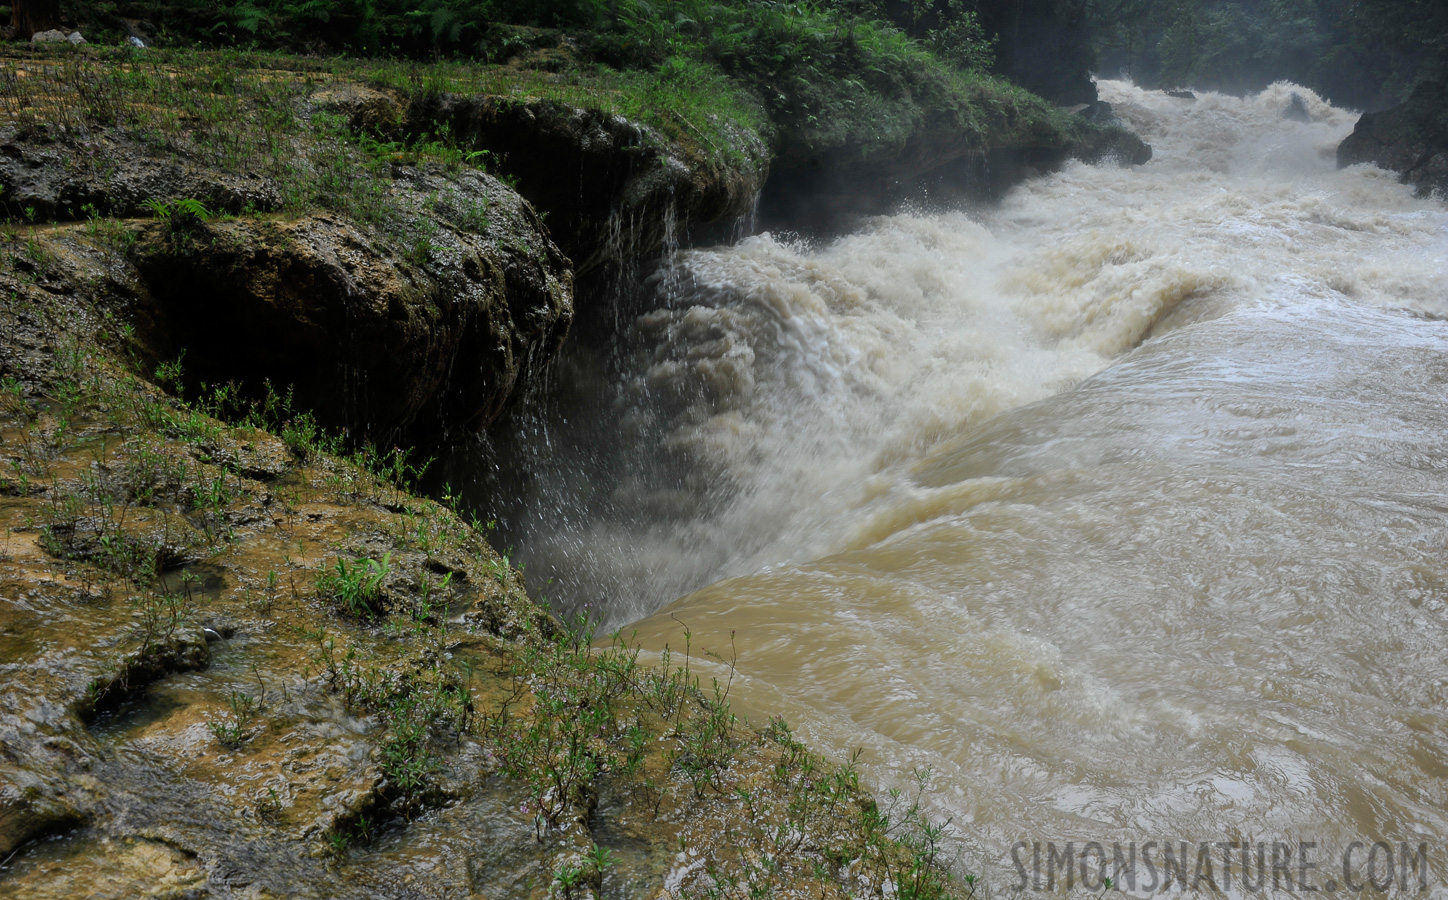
{"x":1121,"y":507}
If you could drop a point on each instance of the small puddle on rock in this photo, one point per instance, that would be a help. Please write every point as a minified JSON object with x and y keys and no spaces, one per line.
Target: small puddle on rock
{"x":82,"y":864}
{"x":204,"y":581}
{"x":641,"y":855}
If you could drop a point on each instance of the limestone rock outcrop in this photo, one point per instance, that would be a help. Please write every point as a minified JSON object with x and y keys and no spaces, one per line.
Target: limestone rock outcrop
{"x":412,"y":332}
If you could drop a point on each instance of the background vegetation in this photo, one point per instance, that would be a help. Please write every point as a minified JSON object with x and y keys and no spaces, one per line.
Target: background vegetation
{"x":628,"y":31}
{"x":1363,"y":53}
{"x":855,"y":77}
{"x":1359,"y":53}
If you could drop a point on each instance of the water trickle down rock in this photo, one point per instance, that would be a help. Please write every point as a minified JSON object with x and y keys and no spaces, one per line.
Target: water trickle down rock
{"x":412,"y":339}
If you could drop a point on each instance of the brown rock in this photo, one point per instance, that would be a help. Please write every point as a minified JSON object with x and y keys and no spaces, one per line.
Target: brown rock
{"x":405,"y":332}
{"x":612,"y":188}
{"x":29,"y":809}
{"x":366,"y":109}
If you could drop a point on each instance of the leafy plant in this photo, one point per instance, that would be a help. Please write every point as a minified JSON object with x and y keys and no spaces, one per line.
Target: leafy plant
{"x":108,"y":231}
{"x":230,"y":731}
{"x":355,"y":587}
{"x":179,"y":213}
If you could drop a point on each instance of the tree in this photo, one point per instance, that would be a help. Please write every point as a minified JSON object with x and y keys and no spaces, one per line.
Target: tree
{"x":27,"y":17}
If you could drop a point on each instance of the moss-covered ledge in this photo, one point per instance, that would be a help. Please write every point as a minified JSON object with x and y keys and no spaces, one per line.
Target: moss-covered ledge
{"x":241,"y":659}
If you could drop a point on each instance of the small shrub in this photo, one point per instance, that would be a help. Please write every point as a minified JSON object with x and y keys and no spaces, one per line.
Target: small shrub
{"x":356,"y":587}
{"x":230,"y":732}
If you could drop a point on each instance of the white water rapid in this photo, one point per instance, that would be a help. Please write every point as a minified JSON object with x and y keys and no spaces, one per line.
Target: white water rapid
{"x":1122,"y":506}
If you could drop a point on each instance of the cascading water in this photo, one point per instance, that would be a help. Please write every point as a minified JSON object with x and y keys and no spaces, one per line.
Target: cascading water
{"x":1122,"y":507}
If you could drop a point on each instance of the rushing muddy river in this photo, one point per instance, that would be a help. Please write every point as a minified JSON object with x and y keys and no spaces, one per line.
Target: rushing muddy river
{"x":1122,"y":506}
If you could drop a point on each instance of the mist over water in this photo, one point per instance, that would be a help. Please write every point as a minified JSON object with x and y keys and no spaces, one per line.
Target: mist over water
{"x":1122,"y":506}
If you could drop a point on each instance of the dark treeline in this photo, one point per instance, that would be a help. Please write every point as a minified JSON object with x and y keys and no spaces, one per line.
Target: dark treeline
{"x":1041,"y":44}
{"x":483,"y":28}
{"x":1359,"y":53}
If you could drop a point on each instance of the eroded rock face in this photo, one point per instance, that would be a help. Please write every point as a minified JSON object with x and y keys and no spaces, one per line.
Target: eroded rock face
{"x":57,"y":181}
{"x":408,"y":332}
{"x":115,"y":778}
{"x":944,"y":163}
{"x":1112,"y":144}
{"x":610,"y":190}
{"x":1411,"y":139}
{"x":409,"y":325}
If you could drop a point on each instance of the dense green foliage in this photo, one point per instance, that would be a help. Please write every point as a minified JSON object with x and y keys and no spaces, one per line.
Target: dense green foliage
{"x":626,"y":32}
{"x":1365,"y":53}
{"x":819,"y":76}
{"x":1362,"y":53}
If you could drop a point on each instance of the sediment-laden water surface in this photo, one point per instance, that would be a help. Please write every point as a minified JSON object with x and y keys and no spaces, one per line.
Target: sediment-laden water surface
{"x":1122,"y":507}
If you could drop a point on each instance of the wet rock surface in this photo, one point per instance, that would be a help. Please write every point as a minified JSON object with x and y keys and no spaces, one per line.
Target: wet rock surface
{"x":1410,"y":139}
{"x":612,"y":189}
{"x":117,"y":775}
{"x":48,"y":178}
{"x":166,"y":726}
{"x":410,"y":339}
{"x":413,"y":333}
{"x":412,"y":311}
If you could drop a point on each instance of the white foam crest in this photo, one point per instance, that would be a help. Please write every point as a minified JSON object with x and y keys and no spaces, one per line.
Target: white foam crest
{"x":812,"y":370}
{"x":1201,"y":594}
{"x":787,"y":390}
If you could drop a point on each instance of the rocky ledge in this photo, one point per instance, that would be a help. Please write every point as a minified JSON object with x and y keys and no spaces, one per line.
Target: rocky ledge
{"x":411,"y":341}
{"x":236,"y":663}
{"x":241,"y":657}
{"x":1410,"y":139}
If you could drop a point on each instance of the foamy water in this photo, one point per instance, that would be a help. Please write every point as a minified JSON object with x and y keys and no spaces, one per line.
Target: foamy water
{"x":1122,"y":507}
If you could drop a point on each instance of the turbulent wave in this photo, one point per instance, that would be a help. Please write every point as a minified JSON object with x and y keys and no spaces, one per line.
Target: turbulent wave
{"x":776,"y":392}
{"x":1117,"y":506}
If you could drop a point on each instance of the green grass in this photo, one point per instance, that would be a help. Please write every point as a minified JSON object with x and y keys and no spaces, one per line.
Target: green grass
{"x":354,"y":588}
{"x":231,"y":730}
{"x":560,"y":716}
{"x":223,"y":110}
{"x":709,"y":76}
{"x":687,"y":102}
{"x":246,"y":113}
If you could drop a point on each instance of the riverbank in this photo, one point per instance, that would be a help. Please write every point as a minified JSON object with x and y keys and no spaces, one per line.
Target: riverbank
{"x":448,"y":172}
{"x":247,"y":657}
{"x":243,"y":661}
